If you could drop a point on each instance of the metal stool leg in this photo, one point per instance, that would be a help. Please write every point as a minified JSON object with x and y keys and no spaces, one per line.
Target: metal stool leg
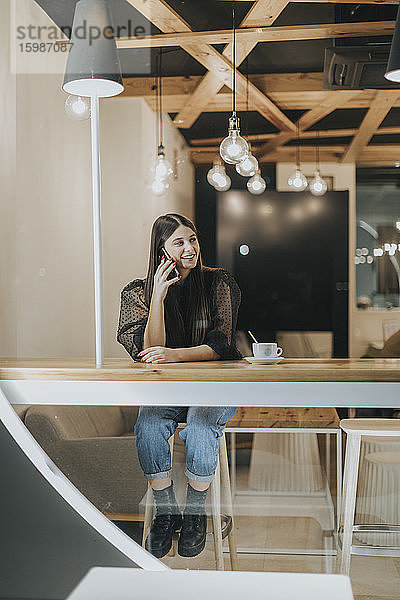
{"x":349,"y":498}
{"x":227,"y":500}
{"x":148,"y":514}
{"x":215,"y":492}
{"x":339,"y":477}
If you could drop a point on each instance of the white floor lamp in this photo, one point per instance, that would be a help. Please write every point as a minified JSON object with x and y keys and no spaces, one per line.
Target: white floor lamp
{"x":93,"y":70}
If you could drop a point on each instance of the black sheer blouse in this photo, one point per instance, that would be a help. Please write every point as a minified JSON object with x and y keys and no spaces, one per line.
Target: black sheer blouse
{"x":224,"y":299}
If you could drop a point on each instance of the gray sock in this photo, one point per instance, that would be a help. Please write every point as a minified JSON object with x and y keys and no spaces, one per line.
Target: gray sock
{"x":165,"y":500}
{"x":195,"y":501}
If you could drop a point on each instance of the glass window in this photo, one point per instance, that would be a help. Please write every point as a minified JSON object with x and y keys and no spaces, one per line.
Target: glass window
{"x":378,"y":238}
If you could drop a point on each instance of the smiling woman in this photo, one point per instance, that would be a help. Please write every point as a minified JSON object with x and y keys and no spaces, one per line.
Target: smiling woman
{"x":182,"y":311}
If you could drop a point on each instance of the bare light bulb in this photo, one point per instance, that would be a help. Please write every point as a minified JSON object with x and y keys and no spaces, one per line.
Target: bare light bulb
{"x":318,"y":186}
{"x":78,"y":107}
{"x":162,"y":168}
{"x":233,"y":149}
{"x":214,"y":174}
{"x":223,"y":184}
{"x":297,"y":181}
{"x":248,"y":166}
{"x":159,"y":187}
{"x":256,"y":184}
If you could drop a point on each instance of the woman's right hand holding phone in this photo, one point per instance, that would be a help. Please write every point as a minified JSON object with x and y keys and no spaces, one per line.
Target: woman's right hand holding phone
{"x":161,"y":284}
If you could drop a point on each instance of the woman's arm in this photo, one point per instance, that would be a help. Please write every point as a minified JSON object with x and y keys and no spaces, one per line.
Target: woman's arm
{"x":160,"y":354}
{"x":196,"y":353}
{"x":154,"y":334}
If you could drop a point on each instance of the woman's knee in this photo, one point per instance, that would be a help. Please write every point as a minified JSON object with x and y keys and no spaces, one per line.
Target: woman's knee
{"x":151,"y":425}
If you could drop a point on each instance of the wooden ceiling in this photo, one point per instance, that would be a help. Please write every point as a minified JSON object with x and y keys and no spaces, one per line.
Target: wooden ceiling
{"x":279,"y":59}
{"x":271,"y":95}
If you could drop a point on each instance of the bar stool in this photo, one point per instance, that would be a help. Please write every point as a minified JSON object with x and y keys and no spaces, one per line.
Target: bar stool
{"x":378,"y":499}
{"x":220,"y":488}
{"x":355,"y":429}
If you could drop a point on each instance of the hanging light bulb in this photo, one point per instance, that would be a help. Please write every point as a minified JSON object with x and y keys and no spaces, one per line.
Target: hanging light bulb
{"x":256,"y":184}
{"x":318,"y":186}
{"x":215,"y":172}
{"x":159,"y":187}
{"x":78,"y":107}
{"x":223,"y":184}
{"x":248,"y":166}
{"x":297,"y":181}
{"x":162,"y":168}
{"x":233,"y":148}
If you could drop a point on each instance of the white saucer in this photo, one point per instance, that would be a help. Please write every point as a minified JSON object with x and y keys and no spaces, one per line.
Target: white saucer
{"x":263,"y":360}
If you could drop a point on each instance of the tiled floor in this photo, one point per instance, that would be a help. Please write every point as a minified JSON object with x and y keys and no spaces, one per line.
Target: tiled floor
{"x":373,"y":578}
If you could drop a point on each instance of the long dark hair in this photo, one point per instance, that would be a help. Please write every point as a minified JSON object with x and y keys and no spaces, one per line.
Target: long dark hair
{"x":197,"y":308}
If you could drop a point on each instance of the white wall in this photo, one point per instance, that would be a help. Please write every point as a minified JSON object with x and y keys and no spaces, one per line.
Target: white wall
{"x":8,"y":290}
{"x":46,"y":224}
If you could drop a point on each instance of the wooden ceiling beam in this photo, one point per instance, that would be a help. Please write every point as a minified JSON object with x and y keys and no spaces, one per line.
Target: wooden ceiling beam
{"x":378,"y":110}
{"x":371,"y":155}
{"x":207,"y":143}
{"x":172,"y":103}
{"x":352,"y":1}
{"x":256,"y":35}
{"x":211,"y":83}
{"x":331,"y":103}
{"x":157,"y":11}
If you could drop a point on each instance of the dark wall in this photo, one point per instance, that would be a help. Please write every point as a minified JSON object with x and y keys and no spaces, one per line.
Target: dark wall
{"x":295,"y":276}
{"x":206,"y":207}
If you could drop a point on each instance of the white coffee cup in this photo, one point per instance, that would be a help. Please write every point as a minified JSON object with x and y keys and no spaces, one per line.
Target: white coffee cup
{"x":266,"y":350}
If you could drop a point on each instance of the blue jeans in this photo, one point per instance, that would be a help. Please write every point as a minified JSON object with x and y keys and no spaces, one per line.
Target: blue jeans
{"x":156,"y":424}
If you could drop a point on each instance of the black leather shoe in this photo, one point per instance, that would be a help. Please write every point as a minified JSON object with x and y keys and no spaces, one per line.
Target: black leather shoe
{"x":159,"y":540}
{"x":193,"y":535}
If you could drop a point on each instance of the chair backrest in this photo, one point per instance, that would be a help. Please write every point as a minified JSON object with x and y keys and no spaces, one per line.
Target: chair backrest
{"x":389,"y":327}
{"x":305,"y":344}
{"x":51,"y":423}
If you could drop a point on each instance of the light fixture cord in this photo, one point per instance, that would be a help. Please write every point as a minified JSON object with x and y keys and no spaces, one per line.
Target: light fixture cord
{"x":298,"y":146}
{"x":247,"y":95}
{"x":317,"y":151}
{"x":159,"y":90}
{"x":234,"y":56}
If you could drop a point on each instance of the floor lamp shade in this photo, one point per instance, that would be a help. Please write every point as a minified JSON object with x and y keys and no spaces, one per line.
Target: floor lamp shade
{"x":393,"y":66}
{"x":93,"y":67}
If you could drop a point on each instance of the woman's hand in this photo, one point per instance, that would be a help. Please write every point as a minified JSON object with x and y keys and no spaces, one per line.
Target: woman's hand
{"x":158,"y":354}
{"x":161,"y":285}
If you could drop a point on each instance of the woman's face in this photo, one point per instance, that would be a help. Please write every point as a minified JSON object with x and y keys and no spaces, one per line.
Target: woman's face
{"x":183,"y":247}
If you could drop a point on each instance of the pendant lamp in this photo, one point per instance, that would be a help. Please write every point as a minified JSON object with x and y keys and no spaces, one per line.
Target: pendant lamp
{"x":256,"y":184}
{"x":234,"y":148}
{"x":318,"y":186}
{"x":393,"y":66}
{"x":297,"y":181}
{"x":217,"y":176}
{"x":162,"y":170}
{"x":93,"y":70}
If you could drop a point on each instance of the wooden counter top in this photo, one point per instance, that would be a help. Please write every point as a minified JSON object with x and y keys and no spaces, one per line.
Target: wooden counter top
{"x":299,"y":369}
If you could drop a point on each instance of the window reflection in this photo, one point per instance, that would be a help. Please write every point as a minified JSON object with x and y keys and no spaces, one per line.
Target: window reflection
{"x":377,"y":253}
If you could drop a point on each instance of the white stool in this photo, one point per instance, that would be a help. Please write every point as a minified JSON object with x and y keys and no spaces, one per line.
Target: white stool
{"x":355,"y":428}
{"x":220,"y":483}
{"x":378,"y":499}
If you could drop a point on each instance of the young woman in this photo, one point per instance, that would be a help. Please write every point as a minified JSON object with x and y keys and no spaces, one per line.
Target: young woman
{"x":182,"y":311}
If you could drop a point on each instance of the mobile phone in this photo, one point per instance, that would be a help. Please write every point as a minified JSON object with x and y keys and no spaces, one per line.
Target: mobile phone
{"x":174,"y":273}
